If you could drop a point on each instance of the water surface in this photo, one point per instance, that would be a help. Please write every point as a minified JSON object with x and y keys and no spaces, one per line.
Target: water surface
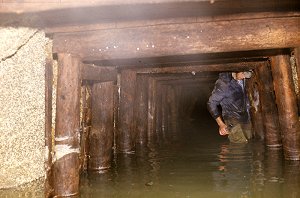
{"x":190,"y":161}
{"x":195,"y":162}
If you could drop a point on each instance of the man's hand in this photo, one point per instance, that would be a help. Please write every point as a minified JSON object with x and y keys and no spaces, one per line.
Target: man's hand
{"x":223,"y":130}
{"x":222,"y":126}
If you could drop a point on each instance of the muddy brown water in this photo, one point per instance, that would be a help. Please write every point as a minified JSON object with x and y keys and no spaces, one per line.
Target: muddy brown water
{"x":193,"y":162}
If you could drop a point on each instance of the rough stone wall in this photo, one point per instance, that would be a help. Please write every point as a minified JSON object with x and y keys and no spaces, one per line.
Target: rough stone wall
{"x":22,"y":102}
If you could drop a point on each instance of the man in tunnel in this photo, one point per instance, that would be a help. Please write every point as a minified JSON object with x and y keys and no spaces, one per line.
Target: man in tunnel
{"x":229,"y":106}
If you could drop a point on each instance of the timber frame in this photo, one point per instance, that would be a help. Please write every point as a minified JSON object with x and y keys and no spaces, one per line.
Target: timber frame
{"x":137,"y":57}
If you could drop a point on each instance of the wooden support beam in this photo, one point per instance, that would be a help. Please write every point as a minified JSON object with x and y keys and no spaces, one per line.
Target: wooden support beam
{"x":102,"y":131}
{"x":268,"y":105}
{"x":159,"y":107}
{"x":256,"y":107}
{"x":164,"y":116}
{"x":48,"y":126}
{"x":40,"y":5}
{"x":141,"y":109}
{"x":297,"y":58}
{"x":241,"y":66}
{"x":66,"y":157}
{"x":287,"y":106}
{"x":85,"y":123}
{"x":97,"y":73}
{"x":126,"y":134}
{"x":193,"y":38}
{"x":172,"y":112}
{"x":152,"y":94}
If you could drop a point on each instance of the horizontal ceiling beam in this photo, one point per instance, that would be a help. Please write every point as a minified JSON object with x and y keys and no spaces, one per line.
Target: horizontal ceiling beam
{"x":242,"y":66}
{"x":101,"y":74}
{"x":181,"y":39}
{"x":24,"y":6}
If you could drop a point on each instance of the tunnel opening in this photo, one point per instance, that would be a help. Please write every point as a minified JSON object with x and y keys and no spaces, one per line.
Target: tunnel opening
{"x":150,"y":117}
{"x":178,"y":151}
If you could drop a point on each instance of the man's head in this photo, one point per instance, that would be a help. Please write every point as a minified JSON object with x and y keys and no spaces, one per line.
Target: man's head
{"x":241,"y":75}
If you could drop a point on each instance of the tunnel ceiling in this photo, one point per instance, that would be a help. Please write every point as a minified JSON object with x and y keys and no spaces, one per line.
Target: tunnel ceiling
{"x":161,"y":33}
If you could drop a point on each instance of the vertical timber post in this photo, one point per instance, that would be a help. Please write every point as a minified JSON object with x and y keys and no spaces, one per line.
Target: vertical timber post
{"x":159,"y":110}
{"x":48,"y":127}
{"x":101,"y":136}
{"x":151,"y":109}
{"x":86,"y":123}
{"x":164,"y":113}
{"x":66,"y":153}
{"x":141,"y":109}
{"x":297,"y":59}
{"x":287,"y":106}
{"x":269,"y":109}
{"x":256,"y":109}
{"x":125,"y":133}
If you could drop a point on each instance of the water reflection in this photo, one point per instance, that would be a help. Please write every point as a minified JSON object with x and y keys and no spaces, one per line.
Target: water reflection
{"x":234,"y":169}
{"x":199,"y":164}
{"x":291,"y":189}
{"x":196,"y":164}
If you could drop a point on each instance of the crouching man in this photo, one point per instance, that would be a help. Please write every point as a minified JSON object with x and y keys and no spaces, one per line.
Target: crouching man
{"x":233,"y":117}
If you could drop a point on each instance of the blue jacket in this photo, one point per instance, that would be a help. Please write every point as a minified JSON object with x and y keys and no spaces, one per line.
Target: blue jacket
{"x":231,"y":97}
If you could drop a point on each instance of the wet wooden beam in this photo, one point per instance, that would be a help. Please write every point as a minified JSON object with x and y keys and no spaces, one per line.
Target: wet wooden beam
{"x":194,"y":38}
{"x":172,"y":112}
{"x":297,"y":57}
{"x":164,"y":113}
{"x":159,"y":107}
{"x":85,"y":123}
{"x":256,"y":107}
{"x":15,"y":6}
{"x":97,"y":73}
{"x":141,"y":109}
{"x":48,"y":126}
{"x":287,"y":106}
{"x":241,"y":66}
{"x":152,"y":108}
{"x":66,"y":157}
{"x":268,"y":105}
{"x":102,"y":131}
{"x":125,"y":136}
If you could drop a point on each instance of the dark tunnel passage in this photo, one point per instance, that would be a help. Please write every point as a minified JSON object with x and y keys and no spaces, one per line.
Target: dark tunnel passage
{"x":188,"y":158}
{"x":167,"y":144}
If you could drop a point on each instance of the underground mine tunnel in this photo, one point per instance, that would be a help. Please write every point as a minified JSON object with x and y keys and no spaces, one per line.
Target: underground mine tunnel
{"x":108,"y":98}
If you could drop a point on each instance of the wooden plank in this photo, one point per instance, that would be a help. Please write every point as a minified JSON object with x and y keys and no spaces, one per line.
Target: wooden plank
{"x":48,"y":126}
{"x":297,"y":58}
{"x":97,"y":21}
{"x":242,"y":66}
{"x":193,"y":38}
{"x":146,"y":8}
{"x":268,"y":105}
{"x":141,"y":109}
{"x":102,"y":131}
{"x":256,"y":109}
{"x":126,"y":133}
{"x":152,"y":108}
{"x":66,"y":152}
{"x":287,"y":106}
{"x":96,"y":73}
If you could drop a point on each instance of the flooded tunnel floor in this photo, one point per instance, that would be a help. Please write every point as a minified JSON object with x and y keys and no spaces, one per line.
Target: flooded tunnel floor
{"x":194,"y":162}
{"x":198,"y":163}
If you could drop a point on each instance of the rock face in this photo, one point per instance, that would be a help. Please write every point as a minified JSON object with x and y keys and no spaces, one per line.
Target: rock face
{"x":22,"y":102}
